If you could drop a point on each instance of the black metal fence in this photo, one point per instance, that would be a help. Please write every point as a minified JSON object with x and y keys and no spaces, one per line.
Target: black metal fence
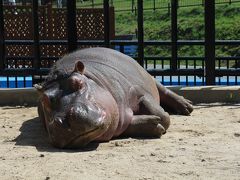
{"x":173,"y":74}
{"x":131,"y":5}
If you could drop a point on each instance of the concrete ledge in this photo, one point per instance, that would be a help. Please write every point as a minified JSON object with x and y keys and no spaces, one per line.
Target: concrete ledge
{"x":18,"y":96}
{"x":198,"y":94}
{"x":209,"y":94}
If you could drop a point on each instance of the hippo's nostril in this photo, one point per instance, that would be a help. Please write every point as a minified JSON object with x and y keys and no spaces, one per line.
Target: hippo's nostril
{"x":58,"y":120}
{"x":71,"y":112}
{"x":62,"y":123}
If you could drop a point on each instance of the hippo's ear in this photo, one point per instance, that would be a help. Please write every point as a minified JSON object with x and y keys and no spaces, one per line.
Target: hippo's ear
{"x":79,"y":67}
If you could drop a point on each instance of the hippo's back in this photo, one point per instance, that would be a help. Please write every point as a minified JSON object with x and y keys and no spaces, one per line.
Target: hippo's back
{"x":110,"y":69}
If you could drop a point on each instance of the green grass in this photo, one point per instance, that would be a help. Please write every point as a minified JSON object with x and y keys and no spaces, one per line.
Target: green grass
{"x":127,"y":4}
{"x":157,"y":25}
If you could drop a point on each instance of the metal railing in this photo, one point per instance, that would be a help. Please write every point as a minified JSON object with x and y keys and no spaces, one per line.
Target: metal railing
{"x":207,"y":72}
{"x":131,"y":5}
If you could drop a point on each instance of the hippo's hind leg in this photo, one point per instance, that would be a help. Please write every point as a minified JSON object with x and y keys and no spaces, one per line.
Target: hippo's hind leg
{"x":150,"y":121}
{"x":172,"y":102}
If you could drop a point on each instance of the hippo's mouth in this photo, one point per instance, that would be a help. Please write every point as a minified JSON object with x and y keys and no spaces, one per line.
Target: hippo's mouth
{"x":75,"y":133}
{"x":83,"y":139}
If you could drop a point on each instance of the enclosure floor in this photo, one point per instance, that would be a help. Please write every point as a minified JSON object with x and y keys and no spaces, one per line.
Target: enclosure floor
{"x":205,"y":145}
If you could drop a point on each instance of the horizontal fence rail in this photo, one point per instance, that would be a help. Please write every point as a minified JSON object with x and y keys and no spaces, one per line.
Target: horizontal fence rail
{"x":26,"y":59}
{"x":132,"y":5}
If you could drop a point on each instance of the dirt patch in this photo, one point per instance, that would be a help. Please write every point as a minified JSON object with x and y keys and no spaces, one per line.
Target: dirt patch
{"x":203,"y":145}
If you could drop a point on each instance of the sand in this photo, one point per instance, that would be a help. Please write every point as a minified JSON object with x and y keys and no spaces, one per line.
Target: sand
{"x":205,"y":145}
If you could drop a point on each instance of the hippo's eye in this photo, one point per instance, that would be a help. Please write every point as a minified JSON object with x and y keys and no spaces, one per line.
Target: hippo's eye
{"x":51,"y":102}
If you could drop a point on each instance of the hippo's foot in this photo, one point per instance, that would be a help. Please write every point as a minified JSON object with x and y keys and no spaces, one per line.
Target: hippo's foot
{"x":144,"y":126}
{"x":172,"y":102}
{"x":182,"y":106}
{"x":176,"y":104}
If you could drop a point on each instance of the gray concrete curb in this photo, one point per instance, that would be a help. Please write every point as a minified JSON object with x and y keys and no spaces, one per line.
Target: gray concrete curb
{"x":210,"y":94}
{"x":18,"y":96}
{"x":199,"y":94}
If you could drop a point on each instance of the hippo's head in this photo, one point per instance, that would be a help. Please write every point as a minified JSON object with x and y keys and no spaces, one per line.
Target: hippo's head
{"x":74,"y":109}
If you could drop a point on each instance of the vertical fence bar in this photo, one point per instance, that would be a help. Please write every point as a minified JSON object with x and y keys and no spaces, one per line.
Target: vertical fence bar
{"x":132,"y":6}
{"x":2,"y":44}
{"x":210,"y":42}
{"x":140,"y":34}
{"x":71,"y":25}
{"x":122,"y":48}
{"x":106,"y":23}
{"x":154,"y":5}
{"x":174,"y":34}
{"x":36,"y":61}
{"x":92,"y":3}
{"x":169,"y":9}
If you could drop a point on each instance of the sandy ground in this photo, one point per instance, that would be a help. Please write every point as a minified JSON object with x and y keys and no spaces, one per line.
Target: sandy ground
{"x":205,"y":145}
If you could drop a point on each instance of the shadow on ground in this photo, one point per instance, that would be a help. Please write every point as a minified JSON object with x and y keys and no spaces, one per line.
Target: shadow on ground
{"x":202,"y":106}
{"x":33,"y":134}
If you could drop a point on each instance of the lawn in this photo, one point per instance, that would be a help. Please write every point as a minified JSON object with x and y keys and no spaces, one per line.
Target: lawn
{"x":157,"y":24}
{"x":148,"y":4}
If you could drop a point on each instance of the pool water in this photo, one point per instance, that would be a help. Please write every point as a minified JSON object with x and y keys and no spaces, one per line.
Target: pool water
{"x":18,"y":82}
{"x":15,"y":82}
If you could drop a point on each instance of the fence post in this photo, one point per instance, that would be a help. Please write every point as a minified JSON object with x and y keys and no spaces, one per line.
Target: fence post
{"x":36,"y":61}
{"x":154,"y":5}
{"x":174,"y":34}
{"x":92,"y":3}
{"x":71,"y":25}
{"x":24,"y":2}
{"x":106,"y":23}
{"x":210,"y":42}
{"x":140,"y":33}
{"x":169,"y":9}
{"x":2,"y":44}
{"x":132,"y":6}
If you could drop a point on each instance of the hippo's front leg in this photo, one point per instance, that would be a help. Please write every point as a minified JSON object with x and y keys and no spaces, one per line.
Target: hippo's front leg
{"x":150,"y":120}
{"x":41,"y":115}
{"x":144,"y":126}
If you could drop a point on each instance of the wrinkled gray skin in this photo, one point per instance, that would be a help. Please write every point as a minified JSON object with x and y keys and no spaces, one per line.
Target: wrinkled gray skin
{"x":96,"y":94}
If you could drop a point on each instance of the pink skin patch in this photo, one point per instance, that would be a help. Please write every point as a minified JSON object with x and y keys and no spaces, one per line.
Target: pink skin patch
{"x":75,"y":83}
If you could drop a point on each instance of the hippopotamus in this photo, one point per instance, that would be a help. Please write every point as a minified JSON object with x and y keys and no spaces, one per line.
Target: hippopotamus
{"x":96,"y":94}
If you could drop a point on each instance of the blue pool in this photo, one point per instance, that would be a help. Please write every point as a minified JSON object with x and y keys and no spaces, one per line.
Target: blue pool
{"x":130,"y":50}
{"x":18,"y":82}
{"x":15,"y":82}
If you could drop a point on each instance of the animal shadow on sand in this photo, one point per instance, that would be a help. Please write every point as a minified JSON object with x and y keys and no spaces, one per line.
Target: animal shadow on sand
{"x":34,"y":134}
{"x":232,"y":105}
